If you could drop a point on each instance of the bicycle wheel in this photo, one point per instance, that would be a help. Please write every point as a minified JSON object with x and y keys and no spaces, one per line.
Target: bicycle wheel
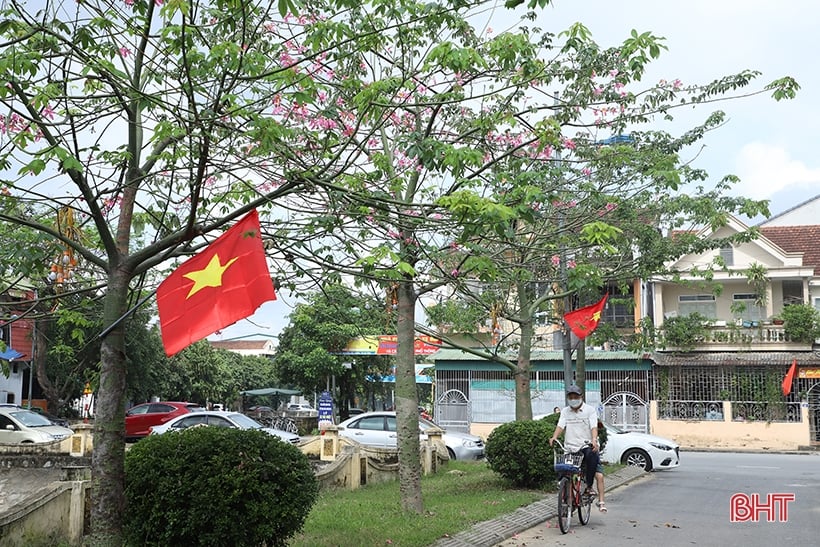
{"x":564,"y":504}
{"x":585,"y":501}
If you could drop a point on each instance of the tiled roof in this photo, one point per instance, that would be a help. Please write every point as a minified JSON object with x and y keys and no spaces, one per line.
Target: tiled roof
{"x":801,"y":239}
{"x":740,"y":358}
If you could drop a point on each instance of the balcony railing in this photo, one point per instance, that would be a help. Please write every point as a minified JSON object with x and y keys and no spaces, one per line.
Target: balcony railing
{"x":752,"y":335}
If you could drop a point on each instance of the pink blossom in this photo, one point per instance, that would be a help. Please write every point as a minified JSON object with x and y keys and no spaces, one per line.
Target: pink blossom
{"x":158,"y":2}
{"x":571,"y":264}
{"x":569,"y":143}
{"x":454,"y":273}
{"x":586,"y":171}
{"x":597,"y":90}
{"x":613,"y":72}
{"x":48,"y":113}
{"x":556,"y":260}
{"x":489,"y":30}
{"x":125,"y":52}
{"x":129,"y":3}
{"x":676,"y":84}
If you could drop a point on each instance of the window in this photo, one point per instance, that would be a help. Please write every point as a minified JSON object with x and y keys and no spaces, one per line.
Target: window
{"x":703,"y":304}
{"x":371,"y":423}
{"x":219,"y":421}
{"x":792,"y":292}
{"x":160,"y":408}
{"x":748,"y":310}
{"x":727,"y":253}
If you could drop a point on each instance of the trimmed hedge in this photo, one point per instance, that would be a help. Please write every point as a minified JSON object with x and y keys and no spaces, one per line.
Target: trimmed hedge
{"x":520,"y":452}
{"x":216,"y":486}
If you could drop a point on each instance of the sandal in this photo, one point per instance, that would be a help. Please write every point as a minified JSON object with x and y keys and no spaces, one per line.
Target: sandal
{"x":601,"y":506}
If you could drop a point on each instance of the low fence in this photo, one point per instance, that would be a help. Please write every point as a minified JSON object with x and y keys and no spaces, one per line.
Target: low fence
{"x":729,"y":425}
{"x":54,"y":511}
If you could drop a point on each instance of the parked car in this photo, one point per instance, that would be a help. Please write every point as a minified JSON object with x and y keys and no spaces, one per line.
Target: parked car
{"x":20,"y":426}
{"x":221,"y":418}
{"x":640,"y":449}
{"x":56,"y":420}
{"x":299,"y":407}
{"x":379,"y":429}
{"x":141,"y":418}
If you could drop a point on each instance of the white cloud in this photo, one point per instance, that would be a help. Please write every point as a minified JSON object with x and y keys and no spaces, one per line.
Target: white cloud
{"x":766,"y":170}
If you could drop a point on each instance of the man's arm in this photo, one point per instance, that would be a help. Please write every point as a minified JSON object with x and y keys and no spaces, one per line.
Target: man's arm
{"x":556,"y":434}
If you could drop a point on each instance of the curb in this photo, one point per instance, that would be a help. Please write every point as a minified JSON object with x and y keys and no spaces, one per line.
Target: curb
{"x":493,"y":532}
{"x":800,"y":451}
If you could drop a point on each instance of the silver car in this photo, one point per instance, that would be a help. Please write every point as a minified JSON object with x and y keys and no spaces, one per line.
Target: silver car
{"x":379,"y":429}
{"x":18,"y":426}
{"x":220,"y":418}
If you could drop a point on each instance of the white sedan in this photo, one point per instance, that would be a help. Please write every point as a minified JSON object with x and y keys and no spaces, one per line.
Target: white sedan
{"x":218,"y":418}
{"x":640,"y":449}
{"x":379,"y":429}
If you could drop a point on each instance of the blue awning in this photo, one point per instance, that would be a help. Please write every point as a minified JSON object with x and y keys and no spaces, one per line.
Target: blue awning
{"x":10,"y":354}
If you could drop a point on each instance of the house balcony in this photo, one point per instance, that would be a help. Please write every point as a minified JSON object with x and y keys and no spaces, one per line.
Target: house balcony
{"x":749,"y":336}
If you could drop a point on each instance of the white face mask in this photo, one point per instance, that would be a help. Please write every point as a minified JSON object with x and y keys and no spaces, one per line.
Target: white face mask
{"x":574,"y":403}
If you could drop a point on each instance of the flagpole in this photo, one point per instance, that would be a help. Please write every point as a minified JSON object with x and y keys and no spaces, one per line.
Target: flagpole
{"x":119,"y":320}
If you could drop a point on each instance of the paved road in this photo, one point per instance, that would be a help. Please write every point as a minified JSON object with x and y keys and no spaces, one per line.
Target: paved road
{"x":690,"y":506}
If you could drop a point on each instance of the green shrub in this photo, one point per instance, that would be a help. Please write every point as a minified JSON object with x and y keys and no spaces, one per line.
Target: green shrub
{"x":216,"y":486}
{"x":520,"y":452}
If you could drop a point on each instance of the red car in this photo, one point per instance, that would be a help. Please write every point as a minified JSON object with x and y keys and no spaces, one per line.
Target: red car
{"x":139,"y":419}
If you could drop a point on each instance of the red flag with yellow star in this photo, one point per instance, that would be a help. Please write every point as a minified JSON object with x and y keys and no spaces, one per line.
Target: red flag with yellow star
{"x":585,"y":320}
{"x":224,"y":283}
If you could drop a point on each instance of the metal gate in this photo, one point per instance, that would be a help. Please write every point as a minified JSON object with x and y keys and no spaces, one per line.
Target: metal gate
{"x":813,"y":397}
{"x":627,"y":411}
{"x":453,"y":411}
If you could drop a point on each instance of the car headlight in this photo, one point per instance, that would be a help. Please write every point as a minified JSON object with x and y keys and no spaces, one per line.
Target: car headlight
{"x":661,"y":446}
{"x":469,"y":444}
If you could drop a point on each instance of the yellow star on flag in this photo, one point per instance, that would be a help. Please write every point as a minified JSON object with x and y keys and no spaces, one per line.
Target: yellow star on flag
{"x":211,"y":276}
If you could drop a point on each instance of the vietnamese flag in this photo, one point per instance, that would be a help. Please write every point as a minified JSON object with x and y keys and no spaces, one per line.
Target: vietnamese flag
{"x":789,"y":379}
{"x":584,"y":320}
{"x":224,"y":283}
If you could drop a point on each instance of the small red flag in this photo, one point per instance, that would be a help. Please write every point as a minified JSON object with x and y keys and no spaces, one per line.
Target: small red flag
{"x":585,"y":320}
{"x":224,"y":283}
{"x":789,"y":379}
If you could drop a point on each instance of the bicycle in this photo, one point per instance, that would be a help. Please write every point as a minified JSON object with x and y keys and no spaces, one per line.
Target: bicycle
{"x":571,"y":486}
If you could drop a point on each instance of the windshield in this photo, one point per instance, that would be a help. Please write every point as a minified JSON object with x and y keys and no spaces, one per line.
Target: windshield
{"x":425,"y":424}
{"x":30,"y":419}
{"x":244,"y":422}
{"x":615,"y":429}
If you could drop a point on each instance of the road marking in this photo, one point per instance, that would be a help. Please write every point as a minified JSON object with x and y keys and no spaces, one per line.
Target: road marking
{"x":757,"y":467}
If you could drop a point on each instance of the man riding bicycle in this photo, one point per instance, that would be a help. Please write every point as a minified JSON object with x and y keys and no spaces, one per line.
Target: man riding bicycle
{"x":579,"y":423}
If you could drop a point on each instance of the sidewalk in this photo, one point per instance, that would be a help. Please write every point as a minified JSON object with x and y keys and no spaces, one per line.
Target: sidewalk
{"x":493,"y":532}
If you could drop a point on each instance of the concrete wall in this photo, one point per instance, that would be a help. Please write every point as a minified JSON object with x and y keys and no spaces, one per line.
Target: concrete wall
{"x":729,"y":434}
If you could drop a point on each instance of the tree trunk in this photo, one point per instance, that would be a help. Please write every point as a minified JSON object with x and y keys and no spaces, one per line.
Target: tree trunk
{"x":108,"y":459}
{"x":523,"y":392}
{"x":52,"y":395}
{"x":407,"y":401}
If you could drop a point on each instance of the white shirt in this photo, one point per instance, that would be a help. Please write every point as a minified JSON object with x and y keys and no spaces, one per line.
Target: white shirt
{"x":578,"y":426}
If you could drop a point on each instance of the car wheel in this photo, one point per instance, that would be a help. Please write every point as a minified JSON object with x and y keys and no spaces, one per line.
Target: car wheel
{"x":451,"y":453}
{"x":637,"y":458}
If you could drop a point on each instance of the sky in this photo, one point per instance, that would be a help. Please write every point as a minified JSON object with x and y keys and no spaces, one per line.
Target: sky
{"x":772,"y":146}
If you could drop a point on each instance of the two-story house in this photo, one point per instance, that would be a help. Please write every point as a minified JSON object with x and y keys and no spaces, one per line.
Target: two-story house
{"x":726,"y":389}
